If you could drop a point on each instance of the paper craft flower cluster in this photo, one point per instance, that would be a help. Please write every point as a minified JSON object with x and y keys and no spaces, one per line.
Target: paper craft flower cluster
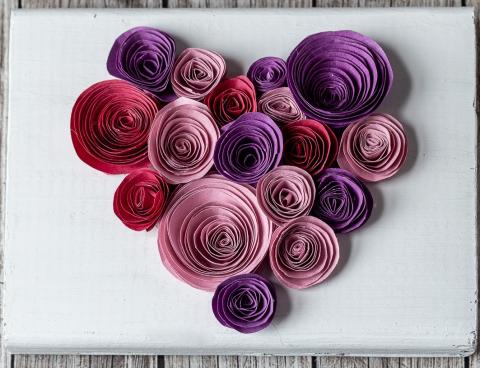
{"x":238,"y":170}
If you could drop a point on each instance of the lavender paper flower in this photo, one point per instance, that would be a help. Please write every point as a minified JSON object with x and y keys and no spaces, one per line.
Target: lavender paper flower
{"x":248,"y":148}
{"x":338,"y":77}
{"x":144,"y":56}
{"x":342,"y":201}
{"x":268,"y":73}
{"x":246,"y":303}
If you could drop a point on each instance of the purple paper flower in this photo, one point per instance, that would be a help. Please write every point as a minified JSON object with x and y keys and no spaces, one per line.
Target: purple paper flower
{"x":338,"y":77}
{"x":342,"y":201}
{"x":248,"y":148}
{"x":268,"y":73}
{"x":144,"y":56}
{"x":246,"y":303}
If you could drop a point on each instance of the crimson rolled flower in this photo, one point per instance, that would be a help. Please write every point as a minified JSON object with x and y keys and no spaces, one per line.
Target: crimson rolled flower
{"x":109,"y":126}
{"x":303,"y":252}
{"x":246,"y":303}
{"x":338,"y":77}
{"x":213,"y":229}
{"x":231,"y":98}
{"x":373,"y":148}
{"x":280,"y":105}
{"x":197,"y":72}
{"x":140,"y":199}
{"x":310,"y":145}
{"x":285,"y":193}
{"x":248,"y":148}
{"x":342,"y":201}
{"x":144,"y":56}
{"x":268,"y":73}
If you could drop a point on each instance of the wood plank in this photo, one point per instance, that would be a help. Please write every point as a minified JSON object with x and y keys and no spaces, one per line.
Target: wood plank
{"x":30,"y":4}
{"x":52,"y":361}
{"x":239,"y":3}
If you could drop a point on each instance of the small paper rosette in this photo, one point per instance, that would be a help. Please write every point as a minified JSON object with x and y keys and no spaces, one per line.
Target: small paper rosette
{"x":246,"y":303}
{"x":211,"y":230}
{"x":373,"y":148}
{"x":309,"y":145}
{"x":196,"y":72}
{"x":285,"y":193}
{"x":338,"y":77}
{"x":109,"y":126}
{"x":280,"y":105}
{"x":140,"y":199}
{"x":303,"y":252}
{"x":182,"y":141}
{"x":248,"y":148}
{"x":268,"y":73}
{"x":144,"y":56}
{"x":231,"y":98}
{"x":342,"y":201}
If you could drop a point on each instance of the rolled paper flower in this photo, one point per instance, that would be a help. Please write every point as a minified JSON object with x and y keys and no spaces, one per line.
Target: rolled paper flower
{"x":285,"y":193}
{"x":373,"y":148}
{"x":144,"y":56}
{"x":280,"y":105}
{"x":109,"y":125}
{"x":338,"y":77}
{"x":140,"y":199}
{"x":246,"y":303}
{"x":248,"y":148}
{"x":303,"y":252}
{"x":231,"y":99}
{"x":309,"y":145}
{"x":342,"y":201}
{"x":182,"y":141}
{"x":268,"y":73}
{"x":211,"y":230}
{"x":197,"y":72}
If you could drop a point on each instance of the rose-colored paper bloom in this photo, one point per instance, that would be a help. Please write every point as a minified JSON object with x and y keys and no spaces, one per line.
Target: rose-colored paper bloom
{"x":109,"y":126}
{"x":309,"y":145}
{"x":303,"y":252}
{"x":285,"y":193}
{"x":140,"y":199}
{"x":268,"y":73}
{"x":197,"y":72}
{"x":231,"y":99}
{"x":246,"y":303}
{"x":373,"y":148}
{"x":144,"y":56}
{"x":338,"y":77}
{"x":341,"y":200}
{"x":211,"y":230}
{"x":182,"y":141}
{"x":280,"y":105}
{"x":248,"y":148}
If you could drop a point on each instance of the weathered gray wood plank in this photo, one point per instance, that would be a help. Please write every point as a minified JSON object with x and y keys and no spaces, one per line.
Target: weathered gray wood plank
{"x":239,"y":3}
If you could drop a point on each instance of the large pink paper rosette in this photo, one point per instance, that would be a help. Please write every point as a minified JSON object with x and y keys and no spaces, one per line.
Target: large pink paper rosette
{"x":280,"y":105}
{"x":285,"y":193}
{"x":197,"y":72}
{"x":182,"y":141}
{"x":213,"y":229}
{"x":373,"y":148}
{"x":303,"y":252}
{"x":338,"y":77}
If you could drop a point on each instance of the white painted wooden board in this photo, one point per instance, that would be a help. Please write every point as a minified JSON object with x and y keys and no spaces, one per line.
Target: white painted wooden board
{"x":76,"y":280}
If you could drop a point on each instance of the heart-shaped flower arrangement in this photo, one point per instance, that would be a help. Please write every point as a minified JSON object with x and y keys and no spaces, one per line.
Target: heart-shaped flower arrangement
{"x":233,"y":171}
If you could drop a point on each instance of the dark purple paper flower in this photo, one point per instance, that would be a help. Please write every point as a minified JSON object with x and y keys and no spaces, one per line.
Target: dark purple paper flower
{"x":144,"y":56}
{"x":338,"y":77}
{"x":342,"y":201}
{"x":246,"y":303}
{"x":268,"y":73}
{"x":248,"y":148}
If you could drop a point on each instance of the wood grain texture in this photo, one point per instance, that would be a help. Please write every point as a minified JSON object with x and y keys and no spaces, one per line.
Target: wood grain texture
{"x":61,"y":361}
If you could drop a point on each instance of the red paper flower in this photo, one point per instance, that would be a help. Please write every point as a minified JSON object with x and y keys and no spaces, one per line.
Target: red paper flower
{"x":309,"y":145}
{"x":231,"y":98}
{"x":140,"y":199}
